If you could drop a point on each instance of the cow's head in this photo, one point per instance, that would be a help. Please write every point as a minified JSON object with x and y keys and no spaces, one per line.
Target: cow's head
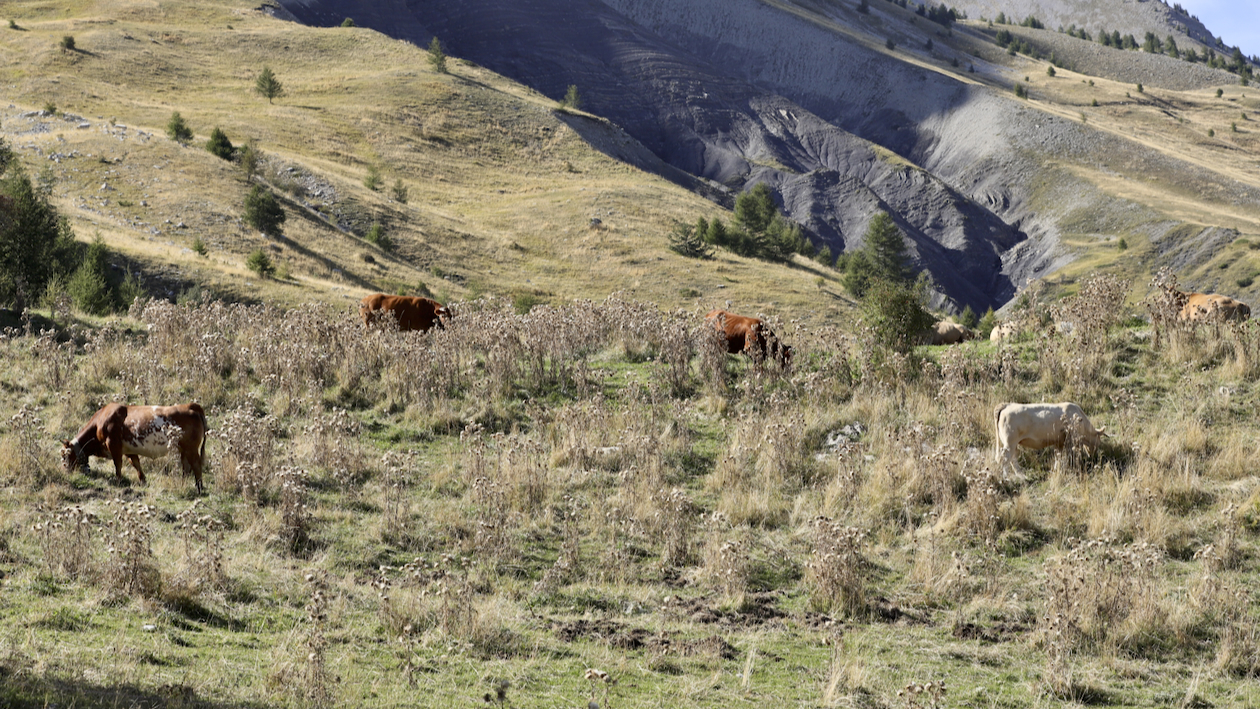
{"x":443,"y":314}
{"x":72,"y":457}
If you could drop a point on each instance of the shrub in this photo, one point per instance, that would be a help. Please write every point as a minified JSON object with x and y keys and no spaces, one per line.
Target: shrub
{"x":89,"y":286}
{"x":968,"y":318}
{"x":1122,"y":244}
{"x":348,"y":22}
{"x":1140,"y":89}
{"x":376,"y":235}
{"x":882,"y":257}
{"x":572,"y":99}
{"x":689,"y":240}
{"x":1020,"y":91}
{"x":437,"y":58}
{"x":199,"y":247}
{"x":259,"y":262}
{"x":895,"y":312}
{"x":1211,"y":133}
{"x":219,"y":145}
{"x":251,"y":156}
{"x":1050,"y":71}
{"x":399,"y":192}
{"x":263,"y":211}
{"x":372,"y":180}
{"x":889,"y":44}
{"x":36,"y":243}
{"x":987,"y":322}
{"x":178,"y":130}
{"x":1219,"y":92}
{"x":67,"y":43}
{"x":1246,"y":282}
{"x":267,"y":85}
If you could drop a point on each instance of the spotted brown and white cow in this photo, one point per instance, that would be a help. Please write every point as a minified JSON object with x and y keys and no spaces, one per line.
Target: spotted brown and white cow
{"x":411,"y":312}
{"x":118,"y":430}
{"x":750,"y":336}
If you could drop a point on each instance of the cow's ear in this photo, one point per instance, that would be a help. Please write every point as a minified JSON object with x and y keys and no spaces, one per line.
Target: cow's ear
{"x":65,"y":443}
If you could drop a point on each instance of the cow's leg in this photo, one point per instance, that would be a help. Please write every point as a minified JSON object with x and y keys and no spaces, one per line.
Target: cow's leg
{"x":192,"y":460}
{"x":135,"y":462}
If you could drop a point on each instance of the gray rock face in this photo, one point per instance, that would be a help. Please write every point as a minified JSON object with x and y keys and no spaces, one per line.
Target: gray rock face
{"x":746,"y":91}
{"x":1135,"y":17}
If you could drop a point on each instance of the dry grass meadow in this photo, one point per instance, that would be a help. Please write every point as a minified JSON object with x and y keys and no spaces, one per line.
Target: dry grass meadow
{"x":588,"y":501}
{"x":595,"y":503}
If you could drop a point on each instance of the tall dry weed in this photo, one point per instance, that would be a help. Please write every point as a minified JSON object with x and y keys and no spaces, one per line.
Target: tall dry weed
{"x":836,"y":571}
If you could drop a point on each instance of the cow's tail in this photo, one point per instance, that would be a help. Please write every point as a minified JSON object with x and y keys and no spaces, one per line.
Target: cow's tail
{"x":205,"y":427}
{"x":997,"y":428}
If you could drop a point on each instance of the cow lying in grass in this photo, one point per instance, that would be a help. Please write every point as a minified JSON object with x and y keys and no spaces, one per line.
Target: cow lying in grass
{"x":1038,"y":426}
{"x":1213,"y":307}
{"x":118,"y":430}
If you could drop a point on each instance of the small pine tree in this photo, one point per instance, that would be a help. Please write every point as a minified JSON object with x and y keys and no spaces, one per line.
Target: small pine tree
{"x":825,"y":257}
{"x":263,"y":211}
{"x":1050,"y":70}
{"x":348,"y":22}
{"x":67,"y":43}
{"x":1020,"y":91}
{"x":1122,"y":245}
{"x":219,"y":144}
{"x":1211,"y":133}
{"x":928,"y":44}
{"x":259,"y":262}
{"x":896,"y":313}
{"x":572,"y":99}
{"x":1219,"y":92}
{"x":178,"y":130}
{"x":267,"y":85}
{"x":372,"y":180}
{"x":399,"y":191}
{"x":89,"y":286}
{"x":199,"y":247}
{"x":376,"y":235}
{"x":968,"y":318}
{"x":251,"y":156}
{"x":889,"y":44}
{"x":1140,"y":88}
{"x":687,"y":240}
{"x":987,"y":322}
{"x":437,"y":58}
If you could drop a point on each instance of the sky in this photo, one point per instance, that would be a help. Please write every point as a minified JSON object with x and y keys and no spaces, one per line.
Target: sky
{"x":1236,"y":22}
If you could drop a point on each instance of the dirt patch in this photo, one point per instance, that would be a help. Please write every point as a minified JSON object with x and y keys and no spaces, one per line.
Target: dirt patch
{"x":997,"y":633}
{"x":612,"y":633}
{"x":757,"y":609}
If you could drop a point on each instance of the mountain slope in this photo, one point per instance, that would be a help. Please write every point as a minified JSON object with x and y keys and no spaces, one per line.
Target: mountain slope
{"x":807,"y":96}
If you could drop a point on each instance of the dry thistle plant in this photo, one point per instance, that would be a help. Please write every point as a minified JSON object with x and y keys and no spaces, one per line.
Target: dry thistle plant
{"x":396,"y":507}
{"x":30,"y":461}
{"x":65,"y":538}
{"x":727,"y":561}
{"x":336,"y":446}
{"x":836,"y":570}
{"x":295,"y":512}
{"x":248,"y":453}
{"x":923,"y":696}
{"x":130,"y":569}
{"x":315,"y":679}
{"x":568,"y":565}
{"x":672,"y":524}
{"x":203,"y":550}
{"x":57,"y":357}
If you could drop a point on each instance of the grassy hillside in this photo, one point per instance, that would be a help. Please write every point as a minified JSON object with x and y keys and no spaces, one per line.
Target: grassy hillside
{"x":403,"y":520}
{"x":501,"y":192}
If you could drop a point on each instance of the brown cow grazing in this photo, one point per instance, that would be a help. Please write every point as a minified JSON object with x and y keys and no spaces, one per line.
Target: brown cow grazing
{"x":750,"y":336}
{"x":1039,"y":426}
{"x":411,"y":312}
{"x":118,"y":430}
{"x":1209,"y":307}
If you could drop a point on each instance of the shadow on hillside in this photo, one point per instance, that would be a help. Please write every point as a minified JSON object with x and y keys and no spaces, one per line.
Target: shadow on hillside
{"x":315,"y":218}
{"x":20,"y":691}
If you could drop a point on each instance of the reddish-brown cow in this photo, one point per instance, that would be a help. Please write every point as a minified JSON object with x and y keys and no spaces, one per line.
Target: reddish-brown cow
{"x":118,"y":430}
{"x":411,"y":312}
{"x":1213,"y":306}
{"x":750,"y":336}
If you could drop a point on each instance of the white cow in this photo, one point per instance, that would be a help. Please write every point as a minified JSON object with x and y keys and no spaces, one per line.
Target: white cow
{"x":1039,"y":426}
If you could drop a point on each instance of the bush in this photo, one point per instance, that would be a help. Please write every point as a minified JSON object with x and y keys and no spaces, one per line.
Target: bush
{"x":89,"y":286}
{"x":1020,"y":91}
{"x":1122,"y":244}
{"x":987,"y":322}
{"x":67,"y":43}
{"x":890,"y":45}
{"x":399,"y":192}
{"x":250,"y":158}
{"x":263,"y":211}
{"x":437,"y":58}
{"x":219,"y":145}
{"x":896,"y":313}
{"x":372,"y":180}
{"x":572,"y":99}
{"x":882,"y":257}
{"x":1050,"y":71}
{"x":376,"y":235}
{"x":259,"y":262}
{"x":36,"y":243}
{"x":689,"y":240}
{"x":199,"y":247}
{"x":348,"y":22}
{"x":268,"y":85}
{"x":968,"y":318}
{"x":178,"y":130}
